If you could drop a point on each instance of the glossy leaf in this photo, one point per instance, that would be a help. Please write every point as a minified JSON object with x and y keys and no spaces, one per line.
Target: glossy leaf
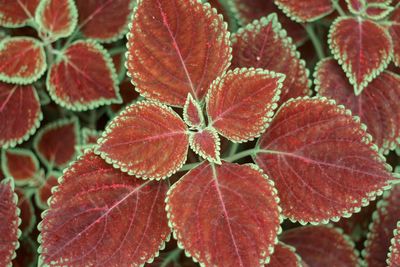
{"x":142,"y":133}
{"x":9,"y":222}
{"x":44,"y":191}
{"x":57,"y":18}
{"x":27,"y":212}
{"x":20,"y":113}
{"x":206,"y":143}
{"x":393,"y":259}
{"x":176,"y":47}
{"x":22,"y":60}
{"x":321,"y":246}
{"x":285,"y":255}
{"x":17,"y":13}
{"x":362,"y":47}
{"x":305,"y":11}
{"x":83,"y":78}
{"x":20,"y":164}
{"x":95,"y":204}
{"x":111,"y":15}
{"x":55,"y":143}
{"x":377,"y":106}
{"x":240,"y":104}
{"x":378,"y":11}
{"x":394,"y":30}
{"x":322,"y":161}
{"x":225,"y":215}
{"x":192,"y":113}
{"x":264,"y":44}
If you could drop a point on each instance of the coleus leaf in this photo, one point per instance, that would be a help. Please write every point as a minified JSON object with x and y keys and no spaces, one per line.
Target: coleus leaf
{"x":20,"y":113}
{"x":381,"y":229}
{"x":240,"y":104}
{"x":176,"y":47}
{"x":377,"y":106}
{"x":394,"y":30}
{"x":96,"y":203}
{"x":27,"y":212}
{"x":57,"y":18}
{"x":54,"y":151}
{"x":83,"y":77}
{"x":141,"y":133}
{"x":225,"y":215}
{"x":305,"y":11}
{"x":264,"y":44}
{"x":206,"y":143}
{"x":362,"y":47}
{"x":43,"y":192}
{"x":378,"y":11}
{"x":9,"y":222}
{"x":112,"y":15}
{"x":22,"y":60}
{"x":393,"y":258}
{"x":356,"y":6}
{"x":192,"y":113}
{"x":322,"y":161}
{"x":285,"y":255}
{"x":17,"y":13}
{"x":20,"y":164}
{"x":321,"y":246}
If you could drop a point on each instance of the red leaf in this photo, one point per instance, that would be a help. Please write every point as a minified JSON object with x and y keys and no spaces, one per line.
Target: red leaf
{"x":57,"y":18}
{"x":285,"y":256}
{"x":20,"y":113}
{"x":9,"y":222}
{"x":95,"y":204}
{"x":20,"y":164}
{"x":381,"y":230}
{"x":193,"y":113}
{"x":378,"y":11}
{"x":176,"y":47}
{"x":321,"y":246}
{"x":54,"y":151}
{"x":240,"y":104}
{"x":393,"y":259}
{"x":356,"y":6}
{"x":17,"y":13}
{"x":377,"y":107}
{"x":264,"y":44}
{"x":394,"y":30}
{"x":305,"y":11}
{"x":27,"y":213}
{"x":22,"y":60}
{"x":206,"y":143}
{"x":43,"y":193}
{"x":112,"y":16}
{"x":322,"y":161}
{"x":84,"y":78}
{"x":362,"y":47}
{"x":142,"y":133}
{"x":225,"y":215}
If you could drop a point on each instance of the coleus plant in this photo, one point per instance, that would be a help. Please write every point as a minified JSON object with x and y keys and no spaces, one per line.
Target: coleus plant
{"x":209,"y":97}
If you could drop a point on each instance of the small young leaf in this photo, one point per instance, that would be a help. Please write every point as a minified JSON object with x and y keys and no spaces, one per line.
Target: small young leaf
{"x":83,"y":78}
{"x":206,"y":143}
{"x":356,"y":6}
{"x":104,"y":20}
{"x":147,"y":139}
{"x":394,"y":31}
{"x":43,"y":192}
{"x":225,"y":215}
{"x":378,"y":105}
{"x":55,"y":143}
{"x":305,"y":11}
{"x":393,"y":259}
{"x":362,"y":47}
{"x":20,"y":113}
{"x":322,"y":246}
{"x":378,"y":11}
{"x":192,"y":113}
{"x":176,"y":47}
{"x":17,"y":13}
{"x":103,"y":217}
{"x":240,"y":104}
{"x":321,"y":160}
{"x":57,"y":18}
{"x":285,"y":256}
{"x":264,"y":44}
{"x":27,"y":212}
{"x":22,"y":60}
{"x":20,"y":164}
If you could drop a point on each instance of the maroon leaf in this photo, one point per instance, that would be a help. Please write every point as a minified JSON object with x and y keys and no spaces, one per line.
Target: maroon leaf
{"x":393,"y":259}
{"x":176,"y":47}
{"x":377,"y":106}
{"x":378,"y":11}
{"x":264,"y":44}
{"x":83,"y":78}
{"x":356,"y":6}
{"x":142,"y":133}
{"x":285,"y":256}
{"x":193,"y":113}
{"x":22,"y":60}
{"x":96,"y":204}
{"x":54,"y":151}
{"x":394,"y":30}
{"x":305,"y":11}
{"x":17,"y":13}
{"x":43,"y":192}
{"x":111,"y":15}
{"x":362,"y":47}
{"x":321,"y":246}
{"x":206,"y":143}
{"x":225,"y":215}
{"x":128,"y":95}
{"x":20,"y":164}
{"x":322,"y":161}
{"x":20,"y":113}
{"x":27,"y":213}
{"x":240,"y":104}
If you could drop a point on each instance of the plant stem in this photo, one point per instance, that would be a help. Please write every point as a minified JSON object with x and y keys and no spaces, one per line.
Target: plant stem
{"x":338,"y":8}
{"x":242,"y":154}
{"x":233,"y":149}
{"x":172,"y":256}
{"x":117,"y":50}
{"x":315,"y":41}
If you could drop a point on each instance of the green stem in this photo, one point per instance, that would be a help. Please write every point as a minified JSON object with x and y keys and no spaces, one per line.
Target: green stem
{"x":173,"y":256}
{"x":233,"y":149}
{"x":242,"y":154}
{"x":117,"y":50}
{"x":188,"y":167}
{"x":338,"y":8}
{"x":315,"y":41}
